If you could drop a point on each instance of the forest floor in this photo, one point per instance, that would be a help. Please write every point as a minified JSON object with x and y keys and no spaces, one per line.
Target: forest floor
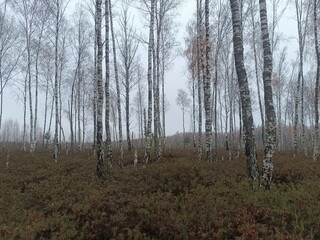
{"x":178,"y":198}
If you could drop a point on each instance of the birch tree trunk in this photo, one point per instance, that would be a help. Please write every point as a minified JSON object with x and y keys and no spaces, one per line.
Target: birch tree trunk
{"x":250,"y":147}
{"x":199,"y":63}
{"x":255,"y":54}
{"x":150,"y":53}
{"x":117,"y":86}
{"x":207,"y":87}
{"x":107,"y":83}
{"x":56,"y":82}
{"x":100,"y":152}
{"x":316,"y":100}
{"x":95,"y":86}
{"x":302,"y":21}
{"x":270,"y":123}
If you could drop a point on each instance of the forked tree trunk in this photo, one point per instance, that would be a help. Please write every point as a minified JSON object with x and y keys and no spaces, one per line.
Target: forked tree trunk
{"x":250,"y":147}
{"x":270,"y":123}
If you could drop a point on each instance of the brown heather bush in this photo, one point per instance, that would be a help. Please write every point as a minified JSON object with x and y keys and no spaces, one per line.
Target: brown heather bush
{"x":178,"y":198}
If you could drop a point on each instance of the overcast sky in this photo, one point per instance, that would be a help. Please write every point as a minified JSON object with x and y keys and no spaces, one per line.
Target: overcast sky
{"x":177,"y":76}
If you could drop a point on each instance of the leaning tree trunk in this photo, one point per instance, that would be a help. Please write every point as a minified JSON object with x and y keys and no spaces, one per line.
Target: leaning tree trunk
{"x":270,"y":123}
{"x":150,"y":51}
{"x":250,"y":147}
{"x":100,"y":152}
{"x":316,"y":100}
{"x":117,"y":86}
{"x":207,"y":87}
{"x":107,"y":85}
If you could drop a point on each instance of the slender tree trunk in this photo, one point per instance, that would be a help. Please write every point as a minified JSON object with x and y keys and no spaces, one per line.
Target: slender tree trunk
{"x":79,"y":104}
{"x":270,"y":124}
{"x":45,"y":112}
{"x":107,"y":84}
{"x":99,"y":141}
{"x":150,"y":53}
{"x":25,"y":112}
{"x":256,"y":70}
{"x":302,"y":30}
{"x":117,"y":86}
{"x":163,"y":99}
{"x":157,"y":85}
{"x":56,"y":85}
{"x":95,"y":86}
{"x":199,"y":63}
{"x":316,"y":100}
{"x":207,"y":88}
{"x":193,"y":110}
{"x":71,"y":111}
{"x":250,"y":147}
{"x":30,"y":94}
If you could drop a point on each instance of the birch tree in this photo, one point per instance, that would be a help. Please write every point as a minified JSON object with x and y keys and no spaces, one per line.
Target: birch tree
{"x":9,"y":55}
{"x":246,"y":107}
{"x":199,"y":63}
{"x":107,"y":83}
{"x":183,"y":101}
{"x":128,"y":46}
{"x":117,"y":85}
{"x":316,"y":99}
{"x":302,"y":13}
{"x":207,"y":86}
{"x":99,"y":141}
{"x":270,"y":123}
{"x":149,"y":76}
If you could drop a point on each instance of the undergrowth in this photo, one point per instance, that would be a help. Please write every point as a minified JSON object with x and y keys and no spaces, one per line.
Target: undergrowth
{"x":177,"y":198}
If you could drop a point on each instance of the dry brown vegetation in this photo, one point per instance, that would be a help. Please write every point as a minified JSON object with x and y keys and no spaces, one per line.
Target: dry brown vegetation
{"x":178,"y":198}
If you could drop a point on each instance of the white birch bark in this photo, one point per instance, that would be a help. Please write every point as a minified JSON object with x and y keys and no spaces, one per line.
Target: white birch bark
{"x":246,"y":109}
{"x":99,"y":141}
{"x":207,"y":87}
{"x":316,"y":100}
{"x":199,"y":63}
{"x":56,"y":82}
{"x":302,"y":20}
{"x":107,"y":84}
{"x":150,"y":54}
{"x":270,"y":123}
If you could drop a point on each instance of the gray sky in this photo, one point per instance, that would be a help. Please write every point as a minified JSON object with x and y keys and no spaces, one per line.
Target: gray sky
{"x":177,"y":76}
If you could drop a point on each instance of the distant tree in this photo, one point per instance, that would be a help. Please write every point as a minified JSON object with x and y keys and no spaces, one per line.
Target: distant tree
{"x":115,"y":63}
{"x":183,"y":101}
{"x":128,"y":47}
{"x":9,"y":55}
